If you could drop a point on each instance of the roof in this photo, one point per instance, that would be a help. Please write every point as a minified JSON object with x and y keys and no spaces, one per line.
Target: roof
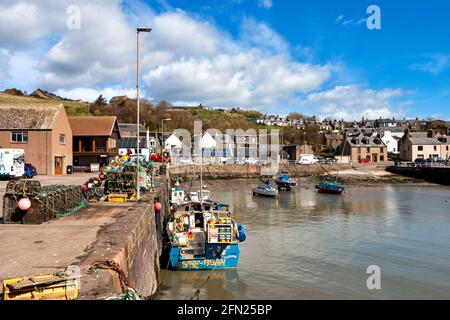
{"x":424,"y":141}
{"x":370,"y":141}
{"x":130,"y":127}
{"x":418,"y":134}
{"x":334,"y":136}
{"x":92,"y":126}
{"x":30,"y":117}
{"x":130,"y":143}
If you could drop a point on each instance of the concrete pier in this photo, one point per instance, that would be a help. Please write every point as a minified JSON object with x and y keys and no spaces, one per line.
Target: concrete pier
{"x":122,"y":233}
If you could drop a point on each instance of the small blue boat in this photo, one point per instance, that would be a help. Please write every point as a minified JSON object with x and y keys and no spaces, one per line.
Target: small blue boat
{"x":330,"y":187}
{"x":284,"y":181}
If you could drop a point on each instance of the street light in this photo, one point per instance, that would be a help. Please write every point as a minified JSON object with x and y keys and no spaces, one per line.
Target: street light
{"x":138,"y":160}
{"x":162,"y":133}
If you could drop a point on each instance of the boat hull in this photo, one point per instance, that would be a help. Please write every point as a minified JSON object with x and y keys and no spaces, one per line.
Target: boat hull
{"x":288,"y":185}
{"x":227,"y":259}
{"x":265,"y":193}
{"x":330,"y":188}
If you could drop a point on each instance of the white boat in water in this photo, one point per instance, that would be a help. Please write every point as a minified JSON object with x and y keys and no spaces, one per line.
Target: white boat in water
{"x":265,"y":191}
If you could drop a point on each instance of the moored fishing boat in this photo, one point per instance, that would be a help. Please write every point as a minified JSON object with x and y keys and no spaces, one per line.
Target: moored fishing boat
{"x":265,"y":191}
{"x":284,"y":181}
{"x":204,"y":236}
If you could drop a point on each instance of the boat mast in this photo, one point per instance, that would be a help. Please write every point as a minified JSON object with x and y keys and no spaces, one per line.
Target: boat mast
{"x":201,"y":177}
{"x":342,"y":154}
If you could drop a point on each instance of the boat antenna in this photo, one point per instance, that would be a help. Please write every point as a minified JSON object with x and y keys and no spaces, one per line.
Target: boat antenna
{"x":342,"y":155}
{"x":201,"y":177}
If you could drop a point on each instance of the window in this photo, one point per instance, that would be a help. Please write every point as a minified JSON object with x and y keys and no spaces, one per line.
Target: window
{"x":420,"y":148}
{"x":62,"y":139}
{"x":435,"y":148}
{"x":368,"y":149}
{"x":20,"y":137}
{"x":446,"y":148}
{"x":381,"y":157}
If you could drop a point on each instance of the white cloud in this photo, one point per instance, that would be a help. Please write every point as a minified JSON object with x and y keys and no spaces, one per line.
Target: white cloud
{"x":260,"y":35}
{"x":435,"y":64}
{"x":4,"y":66}
{"x":266,"y":4}
{"x":353,"y":102}
{"x":22,"y":23}
{"x":345,"y":22}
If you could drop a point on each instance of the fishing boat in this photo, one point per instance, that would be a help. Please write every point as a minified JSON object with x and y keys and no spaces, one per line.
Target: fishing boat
{"x":265,"y":190}
{"x":203,"y":236}
{"x":330,"y":187}
{"x":284,"y":181}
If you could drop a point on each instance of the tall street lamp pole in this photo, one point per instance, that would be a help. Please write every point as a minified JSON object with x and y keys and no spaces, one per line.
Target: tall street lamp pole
{"x":138,"y":160}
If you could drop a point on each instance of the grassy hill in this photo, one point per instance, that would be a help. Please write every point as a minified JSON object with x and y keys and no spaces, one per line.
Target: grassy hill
{"x":72,"y":107}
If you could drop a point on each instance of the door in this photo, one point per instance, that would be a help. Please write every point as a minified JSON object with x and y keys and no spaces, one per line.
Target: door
{"x":59,"y":165}
{"x":375,"y":158}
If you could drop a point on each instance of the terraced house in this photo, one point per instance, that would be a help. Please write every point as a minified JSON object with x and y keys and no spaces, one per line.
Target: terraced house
{"x":361,"y":147}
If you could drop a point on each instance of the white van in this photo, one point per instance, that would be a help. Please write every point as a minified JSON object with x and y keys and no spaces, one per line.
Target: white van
{"x":12,"y":163}
{"x":307,"y":159}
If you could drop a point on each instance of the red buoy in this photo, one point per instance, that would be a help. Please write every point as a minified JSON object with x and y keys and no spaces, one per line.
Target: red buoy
{"x":158,"y":206}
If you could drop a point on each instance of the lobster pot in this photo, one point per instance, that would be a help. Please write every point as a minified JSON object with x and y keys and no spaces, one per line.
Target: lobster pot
{"x":46,"y":202}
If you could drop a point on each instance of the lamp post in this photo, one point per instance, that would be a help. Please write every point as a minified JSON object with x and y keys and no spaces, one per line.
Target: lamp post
{"x":138,"y":160}
{"x":162,"y":133}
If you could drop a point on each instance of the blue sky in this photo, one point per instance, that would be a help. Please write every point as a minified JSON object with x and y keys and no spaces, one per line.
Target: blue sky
{"x":277,"y":56}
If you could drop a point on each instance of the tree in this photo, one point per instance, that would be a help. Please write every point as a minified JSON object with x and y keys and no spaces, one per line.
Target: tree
{"x":98,"y":106}
{"x":295,"y":116}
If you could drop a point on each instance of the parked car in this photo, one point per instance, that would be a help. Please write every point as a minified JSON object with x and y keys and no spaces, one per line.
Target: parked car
{"x":157,"y":157}
{"x":366,"y":160}
{"x":30,"y":171}
{"x":307,"y":159}
{"x":251,"y":161}
{"x":420,"y":160}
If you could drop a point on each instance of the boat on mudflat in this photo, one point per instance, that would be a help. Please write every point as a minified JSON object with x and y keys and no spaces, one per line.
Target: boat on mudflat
{"x":330,"y":187}
{"x":284,"y":181}
{"x":265,"y":191}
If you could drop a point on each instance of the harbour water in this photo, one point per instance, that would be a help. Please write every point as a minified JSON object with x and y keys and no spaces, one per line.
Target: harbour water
{"x":306,"y":245}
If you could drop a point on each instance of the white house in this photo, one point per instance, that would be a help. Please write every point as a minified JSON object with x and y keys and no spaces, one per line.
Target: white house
{"x":172,"y":142}
{"x":391,"y":139}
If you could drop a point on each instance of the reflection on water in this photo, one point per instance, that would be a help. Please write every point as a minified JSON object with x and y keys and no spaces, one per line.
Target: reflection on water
{"x":307,"y":245}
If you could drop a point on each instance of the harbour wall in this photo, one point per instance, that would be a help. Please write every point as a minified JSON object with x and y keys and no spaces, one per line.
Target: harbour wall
{"x":251,"y":171}
{"x":130,"y":248}
{"x":438,"y":175}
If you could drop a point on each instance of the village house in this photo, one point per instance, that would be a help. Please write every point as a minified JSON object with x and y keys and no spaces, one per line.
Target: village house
{"x":150,"y":139}
{"x":333,"y":140}
{"x":385,"y":123}
{"x":419,"y":145}
{"x":362,"y":147}
{"x":95,"y":141}
{"x":390,"y":139}
{"x":292,"y":152}
{"x":42,"y":131}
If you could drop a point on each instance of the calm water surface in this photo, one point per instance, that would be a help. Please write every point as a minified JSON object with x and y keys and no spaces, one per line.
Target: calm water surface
{"x":306,"y":245}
